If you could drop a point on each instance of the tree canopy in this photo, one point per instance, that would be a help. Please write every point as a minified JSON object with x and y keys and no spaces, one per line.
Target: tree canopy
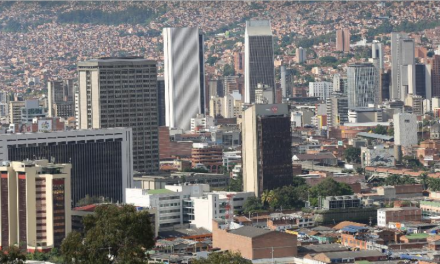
{"x":222,"y":258}
{"x":12,"y":255}
{"x":352,"y":154}
{"x":380,"y":130}
{"x":113,"y":234}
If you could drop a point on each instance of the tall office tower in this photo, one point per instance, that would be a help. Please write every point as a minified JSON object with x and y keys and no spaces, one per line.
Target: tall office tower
{"x":423,"y":81}
{"x":259,"y":63}
{"x":122,"y":92}
{"x":362,"y":84}
{"x":60,"y":96}
{"x":102,"y":163}
{"x":184,"y":76}
{"x":405,"y":129}
{"x":301,"y":55}
{"x":239,"y":62}
{"x":35,"y":204}
{"x":320,"y":89}
{"x":286,"y":82}
{"x":31,"y":110}
{"x":4,"y":104}
{"x":377,"y":53}
{"x":343,"y":40}
{"x":340,"y":83}
{"x":161,"y":100}
{"x":337,"y":110}
{"x":402,"y":66}
{"x":434,"y":69}
{"x":384,"y":85}
{"x":266,"y":148}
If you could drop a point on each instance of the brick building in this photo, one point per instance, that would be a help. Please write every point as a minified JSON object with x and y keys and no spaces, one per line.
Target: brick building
{"x":400,"y":214}
{"x":210,"y":156}
{"x":254,"y":243}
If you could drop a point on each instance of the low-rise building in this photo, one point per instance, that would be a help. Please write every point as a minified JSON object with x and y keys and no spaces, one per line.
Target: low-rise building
{"x":398,"y":214}
{"x":252,"y":242}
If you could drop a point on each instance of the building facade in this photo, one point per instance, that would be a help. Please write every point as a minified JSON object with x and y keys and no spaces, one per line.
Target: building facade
{"x":402,"y":65}
{"x":184,"y":76}
{"x":320,"y":89}
{"x":101,"y":159}
{"x":122,"y":92}
{"x":343,"y":40}
{"x":266,"y":148}
{"x":59,"y":92}
{"x":398,"y":214}
{"x":259,"y":63}
{"x":337,"y":110}
{"x":362,"y":85}
{"x":35,"y":204}
{"x":405,"y":129}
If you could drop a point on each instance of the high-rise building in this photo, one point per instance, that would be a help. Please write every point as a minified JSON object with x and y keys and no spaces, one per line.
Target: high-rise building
{"x":377,"y":53}
{"x":31,"y":110}
{"x":161,"y":100}
{"x":239,"y":62}
{"x":15,"y":111}
{"x":423,"y":81}
{"x":320,"y":89}
{"x":122,"y":92}
{"x":4,"y":104}
{"x":343,"y":40}
{"x":405,"y":129}
{"x":184,"y":76}
{"x":362,"y":85}
{"x":340,"y":83}
{"x":259,"y":63}
{"x":337,"y":110}
{"x":402,"y":66}
{"x":384,"y":85}
{"x":416,"y":103}
{"x":301,"y":55}
{"x":101,"y":158}
{"x":60,"y":92}
{"x":286,"y":82}
{"x":434,"y":67}
{"x":35,"y":204}
{"x":266,"y":148}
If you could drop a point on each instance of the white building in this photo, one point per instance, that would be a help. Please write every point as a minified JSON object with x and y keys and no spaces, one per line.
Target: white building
{"x":183,"y":75}
{"x":30,"y":110}
{"x":296,"y":118}
{"x":320,"y":89}
{"x":201,"y":123}
{"x":402,"y":66}
{"x":362,"y":85}
{"x":179,"y":205}
{"x":215,"y":205}
{"x":377,"y":52}
{"x":405,"y":129}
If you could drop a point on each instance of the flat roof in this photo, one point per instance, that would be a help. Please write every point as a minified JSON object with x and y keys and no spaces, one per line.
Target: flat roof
{"x":376,"y":136}
{"x":250,"y":231}
{"x":159,"y":191}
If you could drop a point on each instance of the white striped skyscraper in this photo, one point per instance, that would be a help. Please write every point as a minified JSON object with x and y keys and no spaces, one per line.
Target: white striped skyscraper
{"x":184,"y":76}
{"x":363,"y":85}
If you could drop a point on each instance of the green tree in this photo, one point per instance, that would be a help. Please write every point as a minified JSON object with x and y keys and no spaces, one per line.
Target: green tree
{"x":12,"y":255}
{"x":395,"y":179}
{"x":328,"y":187}
{"x":434,"y":184}
{"x":236,"y":185}
{"x":411,"y":162}
{"x":228,"y":70}
{"x":113,"y":234}
{"x":222,"y":258}
{"x":353,"y":155}
{"x":382,"y":130}
{"x":212,"y":60}
{"x":424,"y":180}
{"x":252,"y":204}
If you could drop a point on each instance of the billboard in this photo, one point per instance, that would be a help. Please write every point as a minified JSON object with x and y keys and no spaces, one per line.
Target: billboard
{"x":44,"y":125}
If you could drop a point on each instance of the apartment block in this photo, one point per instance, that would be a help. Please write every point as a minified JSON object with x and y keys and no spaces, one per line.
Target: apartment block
{"x":35,"y":204}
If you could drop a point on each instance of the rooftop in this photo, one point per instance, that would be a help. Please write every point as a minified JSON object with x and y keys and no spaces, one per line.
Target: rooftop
{"x":249,"y":231}
{"x":159,"y":191}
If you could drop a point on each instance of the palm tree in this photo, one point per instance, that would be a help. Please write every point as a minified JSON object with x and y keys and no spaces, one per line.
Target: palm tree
{"x":424,"y":179}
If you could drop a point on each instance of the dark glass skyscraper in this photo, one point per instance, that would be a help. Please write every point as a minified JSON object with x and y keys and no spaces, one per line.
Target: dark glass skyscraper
{"x":259,"y":64}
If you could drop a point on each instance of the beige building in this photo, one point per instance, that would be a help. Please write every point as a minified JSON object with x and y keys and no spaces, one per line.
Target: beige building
{"x":15,"y":111}
{"x":35,"y":204}
{"x":122,"y":92}
{"x":415,"y":101}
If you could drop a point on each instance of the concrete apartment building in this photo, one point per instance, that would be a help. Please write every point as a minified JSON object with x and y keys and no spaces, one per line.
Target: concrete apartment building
{"x":398,"y":214}
{"x":122,"y":92}
{"x":320,"y":89}
{"x":252,"y":242}
{"x":101,"y":158}
{"x":266,"y":148}
{"x":35,"y":204}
